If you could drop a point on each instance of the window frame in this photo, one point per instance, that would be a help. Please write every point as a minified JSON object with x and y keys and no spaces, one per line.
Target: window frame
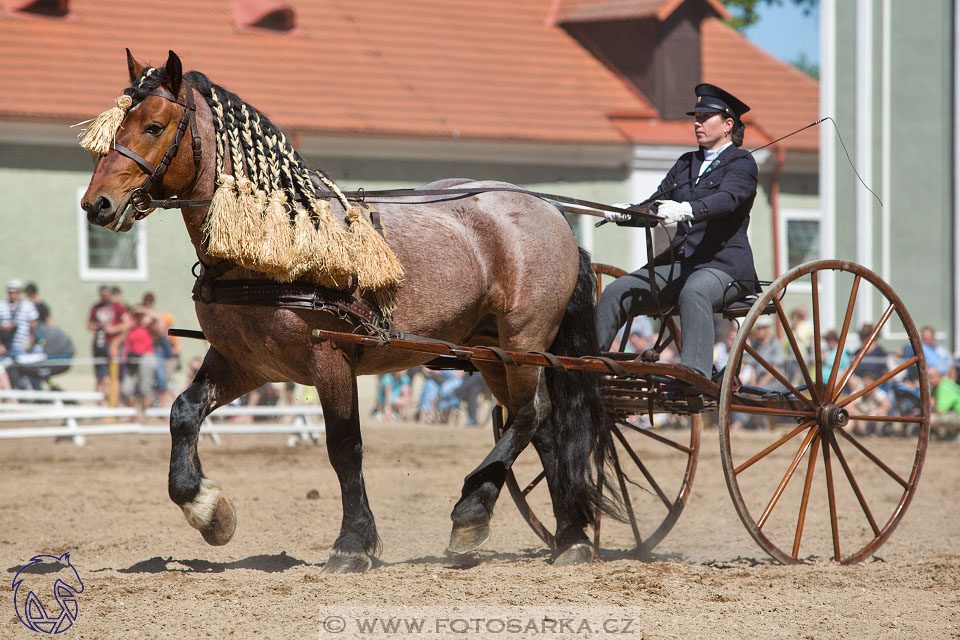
{"x":89,"y":273}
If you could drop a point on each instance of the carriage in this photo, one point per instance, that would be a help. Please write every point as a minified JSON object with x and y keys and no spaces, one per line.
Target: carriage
{"x":655,"y":467}
{"x":296,"y":281}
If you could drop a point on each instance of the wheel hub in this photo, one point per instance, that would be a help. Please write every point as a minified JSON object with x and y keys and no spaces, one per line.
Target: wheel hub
{"x":830,"y":416}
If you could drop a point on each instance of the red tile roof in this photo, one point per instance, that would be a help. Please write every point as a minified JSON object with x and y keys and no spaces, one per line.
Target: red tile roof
{"x":493,"y":70}
{"x":782,"y":98}
{"x":590,"y":10}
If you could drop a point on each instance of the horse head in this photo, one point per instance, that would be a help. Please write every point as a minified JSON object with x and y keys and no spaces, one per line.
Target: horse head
{"x":141,"y":136}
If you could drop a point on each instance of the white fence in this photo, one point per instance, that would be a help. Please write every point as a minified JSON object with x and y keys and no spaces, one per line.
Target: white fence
{"x":54,"y":406}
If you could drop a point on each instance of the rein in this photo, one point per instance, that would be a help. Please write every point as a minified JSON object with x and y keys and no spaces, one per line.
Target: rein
{"x":583,"y":206}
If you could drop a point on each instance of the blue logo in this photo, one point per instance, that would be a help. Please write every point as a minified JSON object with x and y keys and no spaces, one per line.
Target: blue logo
{"x":35,"y":582}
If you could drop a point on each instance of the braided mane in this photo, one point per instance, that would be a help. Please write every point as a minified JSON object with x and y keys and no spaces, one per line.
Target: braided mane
{"x":265,"y":214}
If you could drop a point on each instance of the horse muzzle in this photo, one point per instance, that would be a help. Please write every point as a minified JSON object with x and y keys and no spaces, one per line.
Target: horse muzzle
{"x":102,"y":212}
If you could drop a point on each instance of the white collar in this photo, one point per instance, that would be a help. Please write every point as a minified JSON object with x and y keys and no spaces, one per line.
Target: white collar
{"x":709,"y":155}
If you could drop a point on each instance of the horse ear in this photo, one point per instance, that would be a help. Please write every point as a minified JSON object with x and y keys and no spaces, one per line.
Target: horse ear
{"x":134,"y":67}
{"x":174,"y":73}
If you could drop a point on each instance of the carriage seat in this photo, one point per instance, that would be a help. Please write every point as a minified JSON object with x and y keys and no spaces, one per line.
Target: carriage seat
{"x":740,"y":308}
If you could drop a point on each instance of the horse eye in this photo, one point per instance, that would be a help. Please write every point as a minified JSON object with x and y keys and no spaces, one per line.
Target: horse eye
{"x":154,"y":128}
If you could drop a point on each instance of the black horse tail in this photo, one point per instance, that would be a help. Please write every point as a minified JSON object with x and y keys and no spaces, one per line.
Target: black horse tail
{"x":582,"y":424}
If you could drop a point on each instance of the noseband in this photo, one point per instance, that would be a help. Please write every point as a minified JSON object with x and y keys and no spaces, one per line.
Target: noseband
{"x":140,"y":197}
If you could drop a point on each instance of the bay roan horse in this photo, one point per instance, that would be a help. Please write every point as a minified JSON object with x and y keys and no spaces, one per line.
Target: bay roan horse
{"x":494,"y":268}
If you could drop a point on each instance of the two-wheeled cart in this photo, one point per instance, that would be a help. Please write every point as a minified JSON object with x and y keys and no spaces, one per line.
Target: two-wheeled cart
{"x":825,"y":435}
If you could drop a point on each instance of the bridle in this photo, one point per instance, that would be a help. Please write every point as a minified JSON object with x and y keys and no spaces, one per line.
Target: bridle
{"x":140,"y":197}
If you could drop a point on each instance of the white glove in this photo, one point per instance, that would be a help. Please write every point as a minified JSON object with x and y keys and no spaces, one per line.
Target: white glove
{"x":615,"y":216}
{"x":672,"y":212}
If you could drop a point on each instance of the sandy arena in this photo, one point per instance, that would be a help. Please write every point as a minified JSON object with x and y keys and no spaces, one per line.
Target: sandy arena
{"x":148,"y":574}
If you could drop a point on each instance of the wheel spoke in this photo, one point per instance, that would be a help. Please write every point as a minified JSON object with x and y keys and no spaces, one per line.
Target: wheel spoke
{"x":623,"y":489}
{"x":831,"y":497}
{"x":779,"y":376}
{"x":792,"y":339}
{"x":914,"y":419}
{"x":851,"y":303}
{"x":786,"y":478}
{"x":807,"y":483}
{"x":643,"y":469}
{"x":656,"y":436}
{"x":877,"y":461}
{"x":817,"y":348}
{"x":863,"y":351}
{"x":790,"y":413}
{"x":533,"y":483}
{"x":854,"y":486}
{"x":774,"y":446}
{"x":876,"y":383}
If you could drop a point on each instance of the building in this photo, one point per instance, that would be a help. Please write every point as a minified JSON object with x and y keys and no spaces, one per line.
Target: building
{"x":889,"y":78}
{"x":583,"y":98}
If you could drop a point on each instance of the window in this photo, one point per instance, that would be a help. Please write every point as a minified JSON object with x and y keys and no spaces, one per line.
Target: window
{"x":104,"y":255}
{"x":799,"y":237}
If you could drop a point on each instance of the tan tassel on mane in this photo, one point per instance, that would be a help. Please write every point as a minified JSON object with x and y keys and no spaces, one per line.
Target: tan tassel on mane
{"x":98,"y":137}
{"x":222,"y":219}
{"x":275,"y":251}
{"x":376,"y":264}
{"x":248,"y":230}
{"x":336,"y":263}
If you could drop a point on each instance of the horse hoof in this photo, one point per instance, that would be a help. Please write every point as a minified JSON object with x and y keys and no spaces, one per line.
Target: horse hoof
{"x":340,"y":562}
{"x":223,"y":525}
{"x":211,"y":514}
{"x":467,"y":539}
{"x":578,"y":553}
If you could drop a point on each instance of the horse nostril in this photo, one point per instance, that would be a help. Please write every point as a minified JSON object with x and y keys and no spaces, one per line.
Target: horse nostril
{"x":100,"y":206}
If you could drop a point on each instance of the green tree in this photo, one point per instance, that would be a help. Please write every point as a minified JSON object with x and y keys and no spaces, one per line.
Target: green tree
{"x":744,"y":12}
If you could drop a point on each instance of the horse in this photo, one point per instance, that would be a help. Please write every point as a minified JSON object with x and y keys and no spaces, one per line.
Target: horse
{"x":494,"y":268}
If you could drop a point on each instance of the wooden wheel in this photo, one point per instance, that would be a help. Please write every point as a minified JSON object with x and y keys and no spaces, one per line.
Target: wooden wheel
{"x":654,"y":470}
{"x":819,"y":413}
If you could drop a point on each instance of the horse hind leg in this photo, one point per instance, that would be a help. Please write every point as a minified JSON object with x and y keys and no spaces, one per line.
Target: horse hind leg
{"x":573,"y":545}
{"x":200,"y":498}
{"x":472,"y":514}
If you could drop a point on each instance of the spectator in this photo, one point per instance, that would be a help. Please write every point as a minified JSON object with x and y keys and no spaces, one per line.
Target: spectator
{"x":721,"y":350}
{"x":141,"y":363}
{"x":107,"y":320}
{"x":936,"y":355}
{"x":803,"y":332}
{"x":18,"y":320}
{"x":945,"y":398}
{"x":832,"y":341}
{"x":874,"y":361}
{"x":436,"y":397}
{"x":43,"y":311}
{"x":765,"y":343}
{"x":873,"y":403}
{"x":162,"y":346}
{"x":470,"y":391}
{"x":18,"y":323}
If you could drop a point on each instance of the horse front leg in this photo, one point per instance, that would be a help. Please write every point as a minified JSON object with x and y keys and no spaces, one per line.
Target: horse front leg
{"x":358,"y":543}
{"x":200,"y":498}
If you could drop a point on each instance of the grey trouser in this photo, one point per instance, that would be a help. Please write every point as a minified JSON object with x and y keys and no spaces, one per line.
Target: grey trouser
{"x":696,"y":294}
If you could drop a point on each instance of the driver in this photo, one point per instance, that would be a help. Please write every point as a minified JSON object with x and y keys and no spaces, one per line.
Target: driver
{"x":711,"y":191}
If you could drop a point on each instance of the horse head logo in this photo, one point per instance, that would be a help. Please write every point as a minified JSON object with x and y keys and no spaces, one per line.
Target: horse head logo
{"x":38,"y":578}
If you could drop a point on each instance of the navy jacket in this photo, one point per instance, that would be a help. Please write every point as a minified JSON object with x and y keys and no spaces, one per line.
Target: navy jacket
{"x":721,"y":201}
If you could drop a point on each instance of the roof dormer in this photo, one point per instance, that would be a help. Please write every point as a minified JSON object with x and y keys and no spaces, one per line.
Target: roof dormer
{"x":653,"y":44}
{"x":272,"y":15}
{"x":54,"y":8}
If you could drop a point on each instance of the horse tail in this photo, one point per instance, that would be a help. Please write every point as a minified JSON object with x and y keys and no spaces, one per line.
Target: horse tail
{"x":581,"y":423}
